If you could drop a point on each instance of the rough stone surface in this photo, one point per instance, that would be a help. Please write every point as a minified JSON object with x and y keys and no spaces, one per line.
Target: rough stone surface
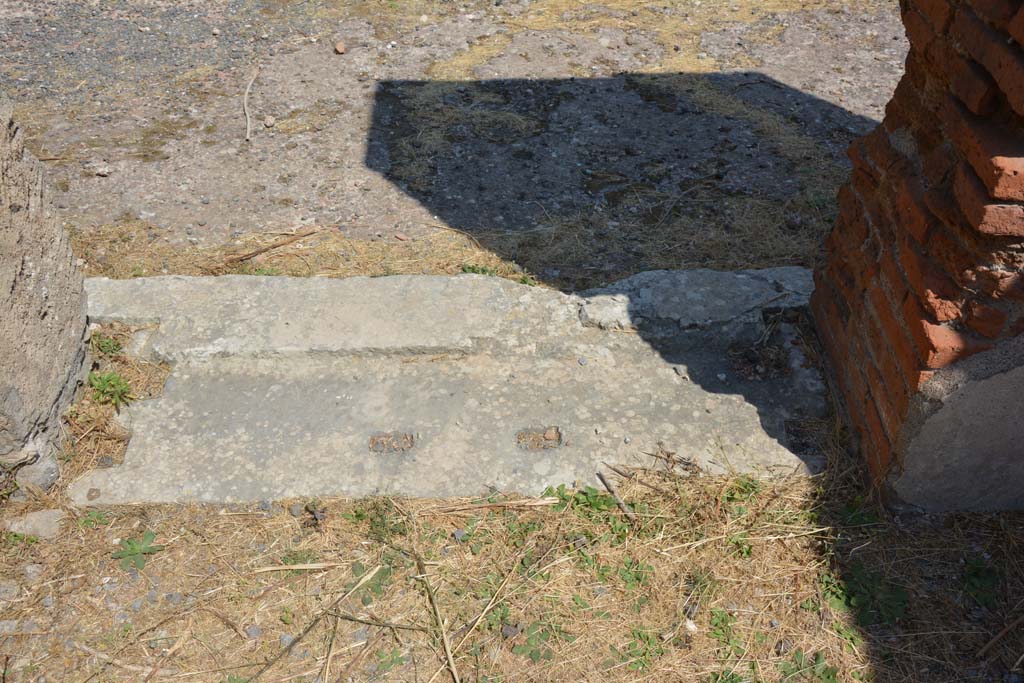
{"x":43,"y":473}
{"x":42,"y":307}
{"x":432,"y":386}
{"x":667,"y":302}
{"x":9,"y":590}
{"x":42,"y":523}
{"x":966,"y":416}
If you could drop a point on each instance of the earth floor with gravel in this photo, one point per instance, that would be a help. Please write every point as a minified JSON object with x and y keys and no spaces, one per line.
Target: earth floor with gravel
{"x":580,"y":143}
{"x":557,"y":143}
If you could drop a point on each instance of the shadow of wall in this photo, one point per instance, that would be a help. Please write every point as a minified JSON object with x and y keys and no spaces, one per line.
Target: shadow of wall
{"x":583,"y":182}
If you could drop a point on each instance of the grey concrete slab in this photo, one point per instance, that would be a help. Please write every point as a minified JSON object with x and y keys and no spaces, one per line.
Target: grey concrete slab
{"x":239,"y":315}
{"x":423,"y":386}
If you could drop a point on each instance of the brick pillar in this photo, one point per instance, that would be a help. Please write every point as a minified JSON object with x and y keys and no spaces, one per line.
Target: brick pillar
{"x":920,"y":300}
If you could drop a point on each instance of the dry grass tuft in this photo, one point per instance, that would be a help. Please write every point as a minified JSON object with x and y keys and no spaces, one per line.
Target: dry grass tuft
{"x":94,"y":436}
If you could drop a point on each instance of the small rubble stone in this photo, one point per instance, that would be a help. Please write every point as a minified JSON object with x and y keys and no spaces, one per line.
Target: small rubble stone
{"x":33,"y":572}
{"x":509,"y":631}
{"x":42,"y":523}
{"x":340,"y":48}
{"x":253,"y":631}
{"x":9,"y":590}
{"x":43,"y":473}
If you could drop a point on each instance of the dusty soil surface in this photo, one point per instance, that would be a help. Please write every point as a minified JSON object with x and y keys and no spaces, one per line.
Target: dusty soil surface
{"x":582,"y":142}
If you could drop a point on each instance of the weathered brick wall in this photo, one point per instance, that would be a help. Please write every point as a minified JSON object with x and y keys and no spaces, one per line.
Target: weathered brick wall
{"x":924,"y":267}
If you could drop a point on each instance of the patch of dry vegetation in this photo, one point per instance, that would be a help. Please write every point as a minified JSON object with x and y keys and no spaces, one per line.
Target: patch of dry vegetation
{"x":133,"y":248}
{"x":709,"y":579}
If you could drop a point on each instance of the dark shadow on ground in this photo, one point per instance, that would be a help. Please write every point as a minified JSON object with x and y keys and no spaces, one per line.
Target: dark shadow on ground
{"x":583,"y":182}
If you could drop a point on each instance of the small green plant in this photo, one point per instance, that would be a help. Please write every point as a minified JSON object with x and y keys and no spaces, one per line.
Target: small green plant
{"x":133,"y":552}
{"x":374,"y":588}
{"x":287,"y":617}
{"x":12,"y":538}
{"x":868,"y":595}
{"x":722,"y":630}
{"x":479,"y":270}
{"x":858,"y":513}
{"x":497,"y":617}
{"x":536,"y":645}
{"x":110,"y":387}
{"x":528,"y":280}
{"x":298,"y":556}
{"x":388,"y":660}
{"x":385,"y":521}
{"x":581,"y":605}
{"x":635,"y":573}
{"x":740,"y":491}
{"x":233,"y":678}
{"x":108,"y":346}
{"x":981,"y":581}
{"x":726,"y":677}
{"x":93,"y":519}
{"x":641,"y":651}
{"x":266,"y":270}
{"x":810,"y":605}
{"x":741,"y":543}
{"x":592,"y":505}
{"x":805,"y":669}
{"x":850,"y":635}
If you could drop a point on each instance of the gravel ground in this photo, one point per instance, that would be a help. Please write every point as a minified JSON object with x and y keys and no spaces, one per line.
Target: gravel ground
{"x":644,"y":123}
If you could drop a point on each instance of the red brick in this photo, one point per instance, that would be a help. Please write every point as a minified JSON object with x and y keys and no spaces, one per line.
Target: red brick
{"x":998,"y":12}
{"x":891,"y":330}
{"x":994,"y":151}
{"x":920,"y":31}
{"x":937,"y":164}
{"x":968,"y":81}
{"x":880,"y":151}
{"x":986,"y":320}
{"x":954,"y":246}
{"x":990,"y":49}
{"x":909,"y":108}
{"x":883,"y":359}
{"x":938,"y":345}
{"x":877,"y":450}
{"x":938,"y":12}
{"x":985,"y":216}
{"x":1016,"y":27}
{"x":937,"y":292}
{"x":880,"y":391}
{"x":858,"y":156}
{"x":911,"y":212}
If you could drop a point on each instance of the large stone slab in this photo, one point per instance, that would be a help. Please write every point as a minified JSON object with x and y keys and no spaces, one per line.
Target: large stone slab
{"x":427,"y":386}
{"x":42,"y":312}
